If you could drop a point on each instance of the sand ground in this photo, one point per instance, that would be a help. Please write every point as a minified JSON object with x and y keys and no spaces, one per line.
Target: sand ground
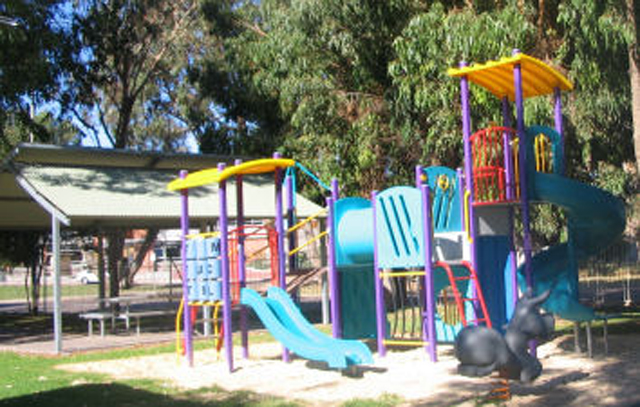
{"x":568,"y":378}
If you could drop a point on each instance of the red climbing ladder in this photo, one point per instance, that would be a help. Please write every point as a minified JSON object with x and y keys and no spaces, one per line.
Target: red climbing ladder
{"x":460,"y":300}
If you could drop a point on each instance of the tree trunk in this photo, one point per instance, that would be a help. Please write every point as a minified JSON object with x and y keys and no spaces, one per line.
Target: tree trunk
{"x":101,"y":270}
{"x":634,"y":77}
{"x":114,"y":254}
{"x":149,"y":241}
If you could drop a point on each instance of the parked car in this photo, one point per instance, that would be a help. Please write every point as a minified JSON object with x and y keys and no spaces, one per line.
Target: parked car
{"x":86,"y":276}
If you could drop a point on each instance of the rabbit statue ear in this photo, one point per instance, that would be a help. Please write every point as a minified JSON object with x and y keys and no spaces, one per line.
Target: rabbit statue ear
{"x":540,"y":298}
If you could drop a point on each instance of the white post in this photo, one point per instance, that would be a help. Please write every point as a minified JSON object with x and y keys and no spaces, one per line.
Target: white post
{"x":57,"y":302}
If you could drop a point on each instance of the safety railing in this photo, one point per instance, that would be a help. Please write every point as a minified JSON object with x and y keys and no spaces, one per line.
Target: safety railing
{"x":494,"y":165}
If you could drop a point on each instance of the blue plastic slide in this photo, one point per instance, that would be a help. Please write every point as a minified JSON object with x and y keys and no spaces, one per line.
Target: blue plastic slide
{"x":286,"y":323}
{"x":596,"y":219}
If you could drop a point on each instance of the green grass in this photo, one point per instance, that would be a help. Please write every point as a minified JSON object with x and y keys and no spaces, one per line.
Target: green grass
{"x":17,"y":292}
{"x":626,"y":323}
{"x":35,"y":381}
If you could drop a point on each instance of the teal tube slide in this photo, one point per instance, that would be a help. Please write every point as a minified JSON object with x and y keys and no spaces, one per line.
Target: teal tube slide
{"x":596,"y":219}
{"x":286,"y":323}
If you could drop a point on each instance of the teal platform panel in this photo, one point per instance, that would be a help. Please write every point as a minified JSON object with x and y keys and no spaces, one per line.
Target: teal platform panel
{"x":399,"y":228}
{"x":446,"y":208}
{"x":357,"y":300}
{"x":354,"y":231}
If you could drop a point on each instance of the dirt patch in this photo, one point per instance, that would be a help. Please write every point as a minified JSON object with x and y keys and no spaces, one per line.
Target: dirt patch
{"x":568,"y":379}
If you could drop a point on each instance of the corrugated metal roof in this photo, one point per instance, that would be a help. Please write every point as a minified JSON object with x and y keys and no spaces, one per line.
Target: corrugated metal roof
{"x":99,"y":193}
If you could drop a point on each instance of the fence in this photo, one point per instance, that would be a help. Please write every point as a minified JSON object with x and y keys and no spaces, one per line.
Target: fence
{"x":612,"y":279}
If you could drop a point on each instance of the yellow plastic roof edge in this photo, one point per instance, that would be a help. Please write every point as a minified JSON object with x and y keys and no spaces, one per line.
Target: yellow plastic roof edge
{"x":469,"y":71}
{"x":195,"y":179}
{"x":261,"y":166}
{"x":212,"y":175}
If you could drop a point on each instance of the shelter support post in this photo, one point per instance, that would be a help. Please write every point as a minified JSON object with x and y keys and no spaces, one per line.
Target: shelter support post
{"x":57,"y":286}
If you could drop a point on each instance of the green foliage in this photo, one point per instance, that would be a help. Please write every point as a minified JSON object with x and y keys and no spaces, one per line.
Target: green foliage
{"x":594,"y":49}
{"x":315,"y":75}
{"x":31,"y":65}
{"x":427,"y":100}
{"x":128,"y":72}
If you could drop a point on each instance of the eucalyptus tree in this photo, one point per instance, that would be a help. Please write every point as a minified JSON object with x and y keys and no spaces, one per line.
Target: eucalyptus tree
{"x":30,"y":64}
{"x":359,"y":89}
{"x":128,"y":87}
{"x":129,"y":83}
{"x":314,"y":76}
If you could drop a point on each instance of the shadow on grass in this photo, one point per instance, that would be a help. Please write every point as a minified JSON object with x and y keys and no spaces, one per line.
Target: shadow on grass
{"x":117,"y":394}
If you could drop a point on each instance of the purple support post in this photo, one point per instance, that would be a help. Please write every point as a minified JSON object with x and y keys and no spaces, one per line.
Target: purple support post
{"x":381,"y":314}
{"x":468,"y":177}
{"x":334,"y":291}
{"x":511,"y":190}
{"x":184,"y":226}
{"x":429,"y":323}
{"x":335,"y":190}
{"x":557,"y":108}
{"x":282,"y":267}
{"x":524,"y":196}
{"x":291,"y":220}
{"x":461,"y":183}
{"x":224,"y":264}
{"x":506,"y":147}
{"x":468,"y":161}
{"x":242,"y":268}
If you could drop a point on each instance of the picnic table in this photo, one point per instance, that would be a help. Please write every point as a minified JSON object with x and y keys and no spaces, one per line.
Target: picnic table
{"x":120,"y":308}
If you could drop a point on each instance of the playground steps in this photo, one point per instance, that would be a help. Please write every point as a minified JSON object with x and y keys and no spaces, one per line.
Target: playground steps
{"x":303,"y":276}
{"x":460,"y":299}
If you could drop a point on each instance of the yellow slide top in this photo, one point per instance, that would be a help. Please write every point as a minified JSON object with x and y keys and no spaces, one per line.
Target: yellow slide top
{"x":538,"y":78}
{"x":212,"y":175}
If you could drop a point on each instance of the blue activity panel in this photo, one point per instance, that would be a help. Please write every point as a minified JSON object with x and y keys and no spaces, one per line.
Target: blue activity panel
{"x":445,"y":199}
{"x":204,"y":275}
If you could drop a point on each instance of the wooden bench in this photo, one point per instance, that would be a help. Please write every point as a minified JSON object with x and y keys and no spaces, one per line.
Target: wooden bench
{"x":137,"y":315}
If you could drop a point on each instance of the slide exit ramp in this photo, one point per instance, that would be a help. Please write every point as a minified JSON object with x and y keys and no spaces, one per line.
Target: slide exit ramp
{"x":285,"y":322}
{"x":596,"y":219}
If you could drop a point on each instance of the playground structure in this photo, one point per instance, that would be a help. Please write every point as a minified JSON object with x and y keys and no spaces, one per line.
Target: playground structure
{"x":414,"y":265}
{"x":452,"y":236}
{"x":216,"y":274}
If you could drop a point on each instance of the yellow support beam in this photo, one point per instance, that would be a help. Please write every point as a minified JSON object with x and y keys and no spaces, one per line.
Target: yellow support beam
{"x":401,"y":273}
{"x":307,"y":220}
{"x":393,"y":342}
{"x":308,"y":242}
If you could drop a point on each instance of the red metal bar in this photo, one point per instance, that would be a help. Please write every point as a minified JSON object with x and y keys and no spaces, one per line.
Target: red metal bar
{"x":483,"y":304}
{"x":454,"y":288}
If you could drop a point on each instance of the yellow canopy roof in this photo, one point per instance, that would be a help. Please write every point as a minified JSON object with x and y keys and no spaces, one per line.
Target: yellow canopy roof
{"x":212,"y":175}
{"x":538,"y":78}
